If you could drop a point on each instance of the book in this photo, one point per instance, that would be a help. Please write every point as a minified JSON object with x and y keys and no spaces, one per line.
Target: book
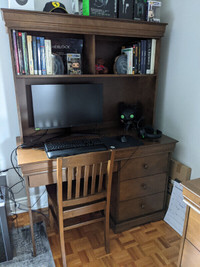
{"x":153,"y":55}
{"x":73,"y":63}
{"x":148,"y":69}
{"x":20,"y":53}
{"x":42,"y":56}
{"x":35,"y":56}
{"x":135,"y":58}
{"x":14,"y":33}
{"x":39,"y":67}
{"x":25,"y":52}
{"x":143,"y":57}
{"x":30,"y":54}
{"x":139,"y":57}
{"x":129,"y":52}
{"x":48,"y":56}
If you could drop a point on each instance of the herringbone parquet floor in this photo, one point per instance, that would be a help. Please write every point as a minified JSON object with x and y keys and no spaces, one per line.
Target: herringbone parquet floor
{"x":152,"y":245}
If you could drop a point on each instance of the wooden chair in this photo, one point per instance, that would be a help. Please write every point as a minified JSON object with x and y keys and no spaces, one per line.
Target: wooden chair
{"x":86,"y":194}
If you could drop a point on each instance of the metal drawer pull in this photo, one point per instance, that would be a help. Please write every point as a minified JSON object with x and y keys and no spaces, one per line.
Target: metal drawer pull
{"x":146,"y":166}
{"x":144,"y":186}
{"x":142,"y":206}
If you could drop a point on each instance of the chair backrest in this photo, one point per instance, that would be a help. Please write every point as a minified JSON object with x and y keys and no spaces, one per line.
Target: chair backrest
{"x":89,"y":177}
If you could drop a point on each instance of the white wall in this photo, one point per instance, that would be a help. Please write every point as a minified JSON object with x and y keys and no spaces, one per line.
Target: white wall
{"x":178,"y":108}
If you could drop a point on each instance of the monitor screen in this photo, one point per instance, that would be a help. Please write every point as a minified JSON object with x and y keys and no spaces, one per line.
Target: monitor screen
{"x":66,"y":105}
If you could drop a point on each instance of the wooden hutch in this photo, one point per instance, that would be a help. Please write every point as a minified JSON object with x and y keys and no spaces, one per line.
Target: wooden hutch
{"x":141,"y":174}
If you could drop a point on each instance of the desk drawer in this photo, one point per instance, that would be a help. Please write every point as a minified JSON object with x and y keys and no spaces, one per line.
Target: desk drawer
{"x":140,"y":206}
{"x":191,"y":256}
{"x":193,"y":229}
{"x":143,"y":186}
{"x":144,"y":166}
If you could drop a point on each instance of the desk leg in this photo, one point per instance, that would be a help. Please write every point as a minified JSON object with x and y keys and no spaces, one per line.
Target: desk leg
{"x":30,"y":215}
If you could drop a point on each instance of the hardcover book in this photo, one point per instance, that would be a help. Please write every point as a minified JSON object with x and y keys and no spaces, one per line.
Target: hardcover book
{"x":14,"y":33}
{"x":35,"y":56}
{"x":129,"y":52}
{"x":20,"y":53}
{"x":30,"y":54}
{"x":48,"y":56}
{"x":39,"y":67}
{"x":149,"y":42}
{"x":42,"y":56}
{"x":25,"y":52}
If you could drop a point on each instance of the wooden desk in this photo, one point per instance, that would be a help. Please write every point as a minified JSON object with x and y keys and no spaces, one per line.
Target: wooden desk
{"x":139,"y":183}
{"x":190,"y":246}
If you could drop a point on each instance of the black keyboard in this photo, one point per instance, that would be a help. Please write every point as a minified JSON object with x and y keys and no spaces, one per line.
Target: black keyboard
{"x":74,"y":147}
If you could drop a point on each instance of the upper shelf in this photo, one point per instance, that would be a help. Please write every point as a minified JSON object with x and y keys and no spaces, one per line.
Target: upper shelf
{"x":64,"y":23}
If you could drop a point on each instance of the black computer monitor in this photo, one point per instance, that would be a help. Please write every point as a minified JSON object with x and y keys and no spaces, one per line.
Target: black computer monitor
{"x":66,"y":105}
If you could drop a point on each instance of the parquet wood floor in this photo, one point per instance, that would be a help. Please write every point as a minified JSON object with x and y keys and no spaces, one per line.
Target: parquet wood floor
{"x":152,"y":245}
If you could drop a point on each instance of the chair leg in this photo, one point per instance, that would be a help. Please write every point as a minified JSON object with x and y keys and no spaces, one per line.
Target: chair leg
{"x":106,"y":232}
{"x":62,"y":245}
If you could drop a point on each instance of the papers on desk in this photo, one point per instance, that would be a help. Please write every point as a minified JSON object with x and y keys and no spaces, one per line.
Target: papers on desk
{"x":175,"y":215}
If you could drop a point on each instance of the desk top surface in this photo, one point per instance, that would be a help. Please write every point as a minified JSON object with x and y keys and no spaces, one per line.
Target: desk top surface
{"x":30,"y":155}
{"x":193,"y":186}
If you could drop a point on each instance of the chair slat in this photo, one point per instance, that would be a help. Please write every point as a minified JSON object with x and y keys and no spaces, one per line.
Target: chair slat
{"x":94,"y":175}
{"x":83,"y":200}
{"x":69,"y":183}
{"x":100,"y":177}
{"x":78,"y":178}
{"x":86,"y":175}
{"x":67,"y":214}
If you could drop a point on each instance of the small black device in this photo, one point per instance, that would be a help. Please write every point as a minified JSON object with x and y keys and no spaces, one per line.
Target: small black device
{"x":66,"y":105}
{"x":149,"y":132}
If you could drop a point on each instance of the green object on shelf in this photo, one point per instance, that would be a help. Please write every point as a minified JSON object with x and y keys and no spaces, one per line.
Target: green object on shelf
{"x":37,"y":129}
{"x":86,"y":7}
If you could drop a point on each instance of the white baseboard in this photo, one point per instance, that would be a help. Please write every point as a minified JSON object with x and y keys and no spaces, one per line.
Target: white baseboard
{"x":22,"y":204}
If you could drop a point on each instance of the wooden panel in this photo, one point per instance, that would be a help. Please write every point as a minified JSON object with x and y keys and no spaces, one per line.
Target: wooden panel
{"x":54,"y":22}
{"x":191,"y":256}
{"x":144,"y":166}
{"x":140,"y":206}
{"x":189,"y":195}
{"x":144,"y":186}
{"x":193,"y":230}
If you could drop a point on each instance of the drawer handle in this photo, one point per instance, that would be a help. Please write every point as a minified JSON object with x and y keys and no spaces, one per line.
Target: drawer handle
{"x":144,"y":186}
{"x":146,"y":166}
{"x":142,"y":206}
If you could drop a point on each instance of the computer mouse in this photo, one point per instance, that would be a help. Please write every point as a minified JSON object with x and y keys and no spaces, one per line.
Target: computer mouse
{"x":123,"y":139}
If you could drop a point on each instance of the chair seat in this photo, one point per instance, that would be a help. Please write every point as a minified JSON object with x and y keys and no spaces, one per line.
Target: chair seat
{"x":71,"y":223}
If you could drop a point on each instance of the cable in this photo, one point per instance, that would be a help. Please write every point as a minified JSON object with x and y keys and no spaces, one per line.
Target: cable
{"x":8,"y":169}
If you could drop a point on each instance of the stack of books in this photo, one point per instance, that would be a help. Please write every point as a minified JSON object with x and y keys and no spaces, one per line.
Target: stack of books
{"x":140,"y":56}
{"x":32,"y":54}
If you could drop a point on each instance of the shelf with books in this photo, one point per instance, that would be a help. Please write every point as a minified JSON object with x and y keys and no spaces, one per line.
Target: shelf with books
{"x":129,"y":76}
{"x":101,"y":38}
